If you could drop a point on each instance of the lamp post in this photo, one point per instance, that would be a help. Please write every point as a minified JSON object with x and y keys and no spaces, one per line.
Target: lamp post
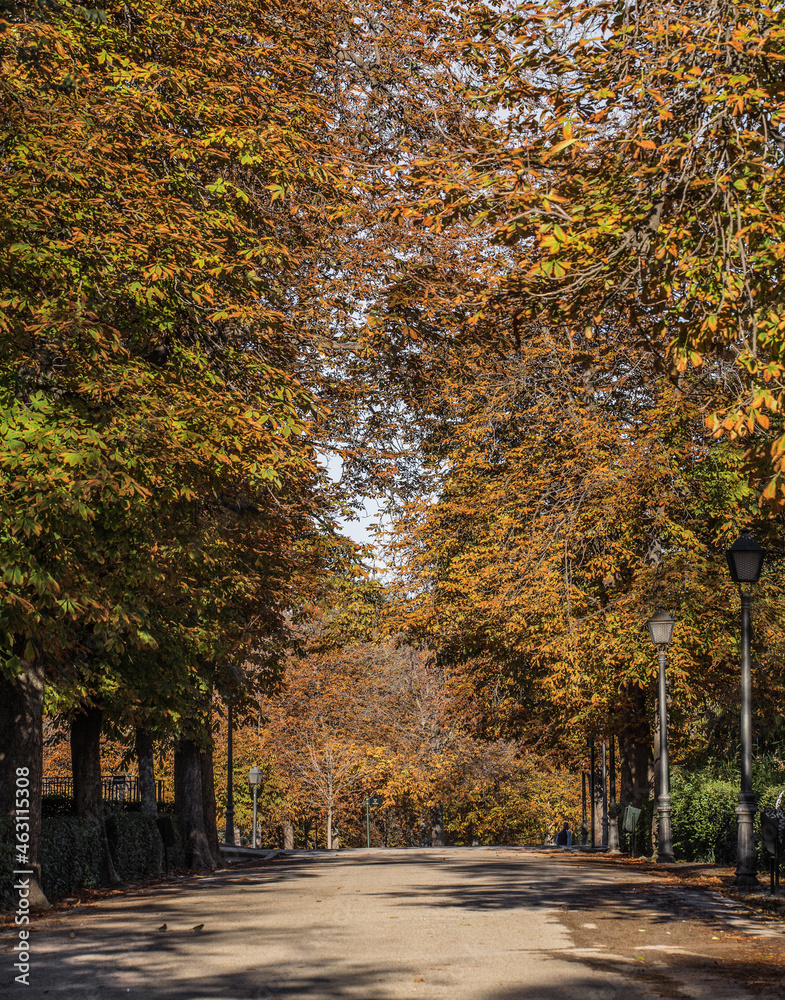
{"x":255,"y":779}
{"x":745,"y":561}
{"x":229,"y":836}
{"x":591,"y":787}
{"x":604,"y":795}
{"x":613,"y":810}
{"x":661,"y":631}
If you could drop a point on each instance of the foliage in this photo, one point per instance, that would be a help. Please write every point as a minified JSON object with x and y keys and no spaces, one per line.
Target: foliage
{"x":374,"y":718}
{"x":572,"y":490}
{"x":524,"y":803}
{"x":704,"y":806}
{"x":135,"y":844}
{"x":71,"y":855}
{"x":171,"y":217}
{"x":521,"y":270}
{"x":634,"y":175}
{"x":8,"y":896}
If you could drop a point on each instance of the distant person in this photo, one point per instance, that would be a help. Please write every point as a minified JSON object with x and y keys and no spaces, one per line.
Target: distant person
{"x":564,"y":836}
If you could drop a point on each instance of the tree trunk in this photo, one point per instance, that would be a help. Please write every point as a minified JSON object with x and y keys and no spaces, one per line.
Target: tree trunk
{"x":437,"y":826}
{"x":636,"y":763}
{"x":21,"y":747}
{"x":88,"y":790}
{"x":287,"y":836}
{"x":188,"y":802}
{"x":598,"y":807}
{"x":635,"y":750}
{"x":329,"y":826}
{"x":144,"y":757}
{"x":208,"y":804}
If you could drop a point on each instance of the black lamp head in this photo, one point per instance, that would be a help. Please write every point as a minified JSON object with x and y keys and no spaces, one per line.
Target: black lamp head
{"x":661,"y":627}
{"x":745,"y":558}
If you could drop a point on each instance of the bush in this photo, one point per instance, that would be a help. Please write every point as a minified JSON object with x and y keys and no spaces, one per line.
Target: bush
{"x":178,"y":853}
{"x":8,"y":897}
{"x":704,"y":818}
{"x":704,"y":807}
{"x":71,"y":853}
{"x":57,"y":805}
{"x":135,"y":844}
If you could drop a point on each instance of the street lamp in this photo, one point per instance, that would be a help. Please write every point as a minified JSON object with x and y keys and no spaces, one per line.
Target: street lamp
{"x":661,"y":631}
{"x":613,"y":809}
{"x":255,"y":778}
{"x":229,"y":836}
{"x":590,"y":741}
{"x":745,"y":561}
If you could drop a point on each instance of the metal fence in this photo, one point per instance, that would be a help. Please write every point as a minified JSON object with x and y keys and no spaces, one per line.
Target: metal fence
{"x":117,"y":789}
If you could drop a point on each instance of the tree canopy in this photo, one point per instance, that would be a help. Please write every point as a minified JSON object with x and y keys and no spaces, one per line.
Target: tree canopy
{"x":516,"y":266}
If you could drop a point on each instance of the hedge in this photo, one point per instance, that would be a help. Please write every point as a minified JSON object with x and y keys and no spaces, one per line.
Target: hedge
{"x":704,"y":818}
{"x":135,"y":845}
{"x":7,"y":862}
{"x":704,"y":809}
{"x":71,"y":852}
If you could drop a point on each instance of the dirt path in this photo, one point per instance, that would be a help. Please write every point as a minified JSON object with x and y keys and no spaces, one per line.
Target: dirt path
{"x":457,"y":924}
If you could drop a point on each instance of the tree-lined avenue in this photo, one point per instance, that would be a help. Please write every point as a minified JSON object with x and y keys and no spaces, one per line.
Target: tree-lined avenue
{"x":464,"y":924}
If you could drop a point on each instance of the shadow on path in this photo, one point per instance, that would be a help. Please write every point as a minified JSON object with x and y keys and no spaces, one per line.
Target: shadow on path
{"x":119,"y":951}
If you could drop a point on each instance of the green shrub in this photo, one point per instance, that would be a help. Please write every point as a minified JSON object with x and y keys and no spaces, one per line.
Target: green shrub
{"x":704,"y":818}
{"x":178,"y":853}
{"x":8,"y":896}
{"x":135,"y":844}
{"x":57,"y":805}
{"x":71,"y":853}
{"x":704,"y":806}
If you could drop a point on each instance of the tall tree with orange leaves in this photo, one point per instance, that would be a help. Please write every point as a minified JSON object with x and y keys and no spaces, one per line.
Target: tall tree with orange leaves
{"x":183,"y":254}
{"x":573,"y":490}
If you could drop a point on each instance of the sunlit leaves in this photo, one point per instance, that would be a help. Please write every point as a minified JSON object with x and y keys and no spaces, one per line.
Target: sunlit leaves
{"x":160,"y":498}
{"x":660,"y":134}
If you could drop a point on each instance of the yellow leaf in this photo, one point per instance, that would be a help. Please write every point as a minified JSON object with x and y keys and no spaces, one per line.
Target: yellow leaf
{"x":559,"y":147}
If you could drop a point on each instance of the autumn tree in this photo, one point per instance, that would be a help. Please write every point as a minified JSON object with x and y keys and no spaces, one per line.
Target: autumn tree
{"x":618,"y":309}
{"x":634,"y":176}
{"x":361,"y":714}
{"x":576,"y":489}
{"x":165,"y":184}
